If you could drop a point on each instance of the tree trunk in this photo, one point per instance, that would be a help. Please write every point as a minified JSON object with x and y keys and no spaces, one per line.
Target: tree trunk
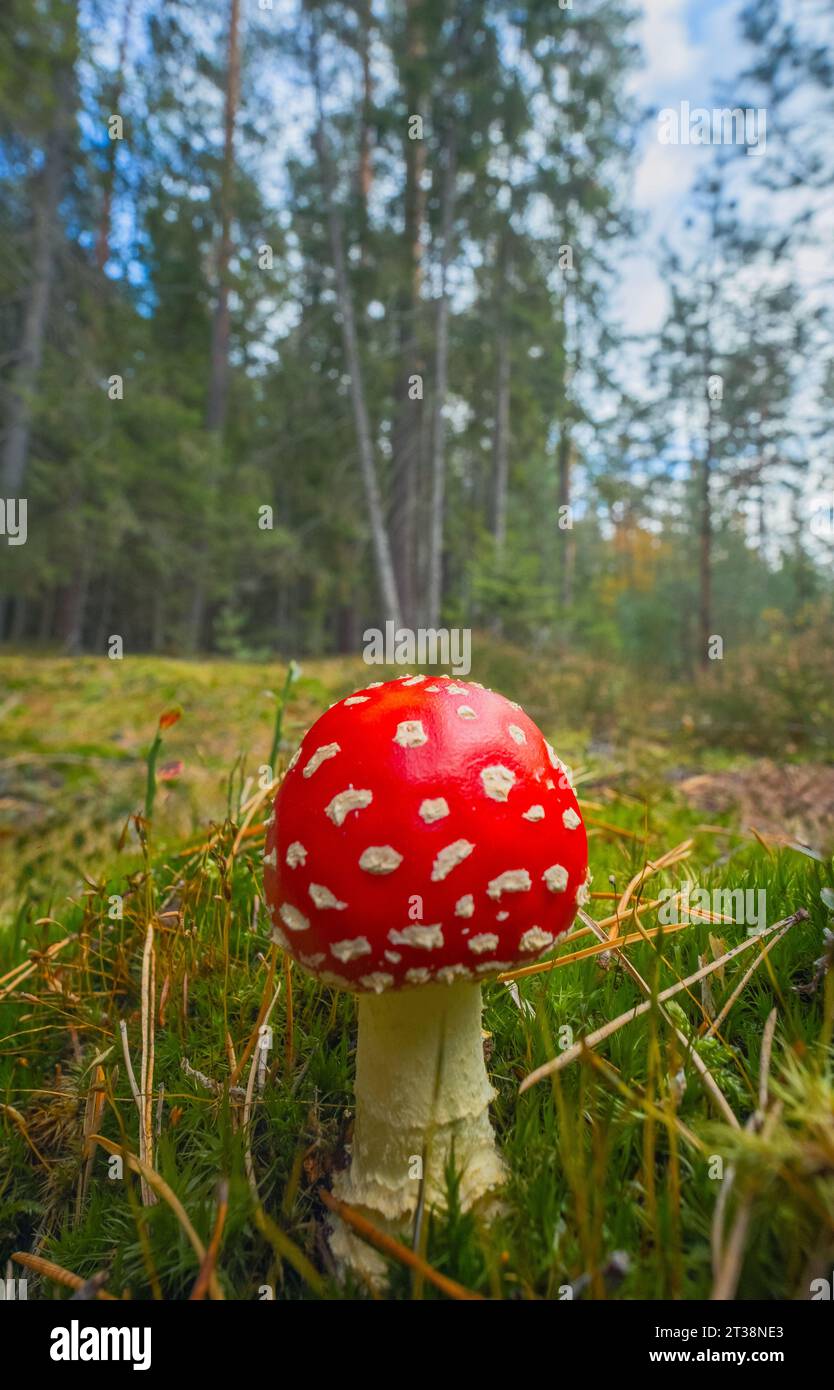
{"x":566,"y":545}
{"x":705,"y":555}
{"x":47,"y":617}
{"x":220,"y":332}
{"x":19,"y":616}
{"x":407,"y":433}
{"x":117,"y":91}
{"x":103,"y":621}
{"x":26,"y":372}
{"x":448,"y":205}
{"x":196,"y":618}
{"x":30,"y":355}
{"x":705,"y":523}
{"x":434,"y":597}
{"x":158,"y":622}
{"x":73,"y":609}
{"x":383,"y":564}
{"x":501,"y":442}
{"x":762,"y":515}
{"x":407,"y":450}
{"x":218,"y":391}
{"x":365,"y":164}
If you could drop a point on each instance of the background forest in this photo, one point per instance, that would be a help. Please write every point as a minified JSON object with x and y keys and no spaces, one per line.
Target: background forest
{"x":311,"y":316}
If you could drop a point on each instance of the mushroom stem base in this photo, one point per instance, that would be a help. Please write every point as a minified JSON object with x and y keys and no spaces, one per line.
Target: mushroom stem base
{"x":422,"y":1098}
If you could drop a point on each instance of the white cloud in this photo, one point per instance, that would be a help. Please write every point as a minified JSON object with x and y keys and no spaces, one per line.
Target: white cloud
{"x":689,"y":47}
{"x":641,"y":300}
{"x":670,"y":54}
{"x":664,"y":174}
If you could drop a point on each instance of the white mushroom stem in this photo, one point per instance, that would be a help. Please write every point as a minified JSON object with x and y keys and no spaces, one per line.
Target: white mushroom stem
{"x":422,"y":1091}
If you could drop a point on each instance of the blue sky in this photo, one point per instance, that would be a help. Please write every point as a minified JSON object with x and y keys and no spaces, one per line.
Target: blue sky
{"x":691,"y":49}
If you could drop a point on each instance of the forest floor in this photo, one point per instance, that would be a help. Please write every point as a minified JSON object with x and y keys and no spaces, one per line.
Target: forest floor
{"x":691,"y":1151}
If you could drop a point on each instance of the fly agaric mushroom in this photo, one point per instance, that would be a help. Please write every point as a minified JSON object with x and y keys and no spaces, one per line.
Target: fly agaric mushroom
{"x":425,"y":838}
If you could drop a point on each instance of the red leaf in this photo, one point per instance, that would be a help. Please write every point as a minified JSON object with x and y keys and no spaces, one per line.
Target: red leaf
{"x":169,"y":771}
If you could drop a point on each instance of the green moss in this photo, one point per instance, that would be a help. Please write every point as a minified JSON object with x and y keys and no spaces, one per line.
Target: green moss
{"x":592,"y":1170}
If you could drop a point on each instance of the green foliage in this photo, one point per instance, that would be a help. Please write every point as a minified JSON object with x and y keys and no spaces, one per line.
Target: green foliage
{"x":613,"y":1157}
{"x":145,"y":523}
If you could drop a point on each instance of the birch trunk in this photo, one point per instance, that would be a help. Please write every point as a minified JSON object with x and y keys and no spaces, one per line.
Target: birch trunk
{"x":407,"y":433}
{"x":383,"y":564}
{"x":434,"y":596}
{"x":501,"y":442}
{"x":705,"y":553}
{"x":566,"y":547}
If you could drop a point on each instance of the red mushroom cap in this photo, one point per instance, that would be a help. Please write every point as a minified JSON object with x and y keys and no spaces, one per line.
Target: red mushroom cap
{"x":424,"y":831}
